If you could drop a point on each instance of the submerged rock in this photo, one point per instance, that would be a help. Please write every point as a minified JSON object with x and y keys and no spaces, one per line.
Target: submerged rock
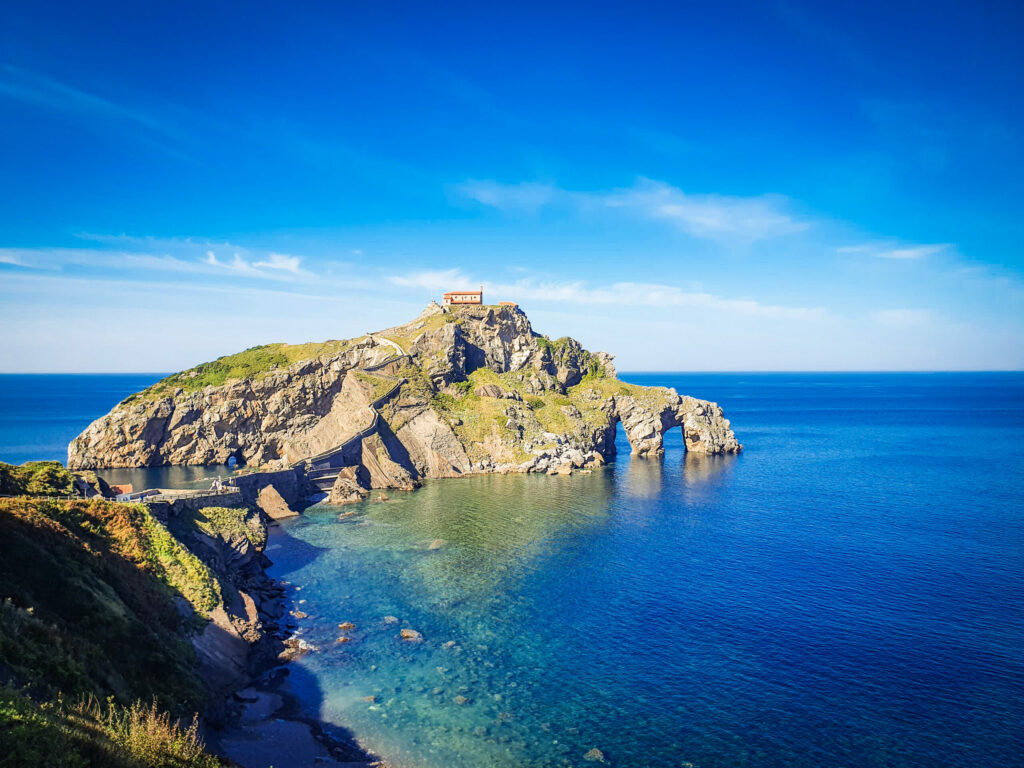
{"x":594,"y":756}
{"x":411,"y":634}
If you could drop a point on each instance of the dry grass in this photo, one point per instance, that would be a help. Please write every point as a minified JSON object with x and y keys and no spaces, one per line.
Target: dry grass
{"x":150,"y":736}
{"x":58,"y":735}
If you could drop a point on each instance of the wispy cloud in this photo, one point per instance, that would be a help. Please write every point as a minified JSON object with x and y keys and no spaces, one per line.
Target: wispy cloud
{"x":526,"y":196}
{"x":280,"y":265}
{"x":625,"y":294}
{"x":714,"y":217}
{"x":902,"y":318}
{"x":432,"y":280}
{"x":170,"y":255}
{"x":55,"y":282}
{"x":38,"y":89}
{"x":894,"y":251}
{"x":280,"y":261}
{"x":8,"y":257}
{"x":709,"y":216}
{"x":652,"y":295}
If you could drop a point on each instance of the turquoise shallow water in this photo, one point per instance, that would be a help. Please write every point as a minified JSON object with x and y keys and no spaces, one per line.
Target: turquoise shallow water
{"x":847,"y":592}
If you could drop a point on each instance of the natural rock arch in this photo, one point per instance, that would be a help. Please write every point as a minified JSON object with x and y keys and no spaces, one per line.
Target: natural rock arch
{"x":704,"y":426}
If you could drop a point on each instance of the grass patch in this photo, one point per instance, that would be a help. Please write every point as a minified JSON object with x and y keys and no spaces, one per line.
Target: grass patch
{"x":59,"y":735}
{"x":36,"y":478}
{"x":91,"y":592}
{"x":475,"y":419}
{"x":402,"y":342}
{"x":253,"y":363}
{"x":406,"y":335}
{"x":230,"y":523}
{"x":552,"y":346}
{"x":378,"y":385}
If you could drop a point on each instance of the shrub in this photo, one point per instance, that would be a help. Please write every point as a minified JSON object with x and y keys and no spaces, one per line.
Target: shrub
{"x":92,"y":593}
{"x":230,"y":523}
{"x":151,"y":737}
{"x":57,"y":735}
{"x":36,"y":478}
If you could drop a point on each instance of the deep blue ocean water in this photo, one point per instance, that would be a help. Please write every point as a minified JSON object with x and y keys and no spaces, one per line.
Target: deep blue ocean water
{"x":847,"y":592}
{"x":41,"y":413}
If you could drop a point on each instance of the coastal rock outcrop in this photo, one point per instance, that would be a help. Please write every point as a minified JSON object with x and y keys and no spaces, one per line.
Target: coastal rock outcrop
{"x":351,"y":485}
{"x":457,"y":390}
{"x":273,"y":504}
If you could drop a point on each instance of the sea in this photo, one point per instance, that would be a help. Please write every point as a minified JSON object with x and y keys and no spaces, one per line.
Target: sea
{"x":848,"y":591}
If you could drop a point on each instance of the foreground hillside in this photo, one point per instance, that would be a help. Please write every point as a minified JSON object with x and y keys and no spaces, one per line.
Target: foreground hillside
{"x":114,"y":627}
{"x":457,"y":390}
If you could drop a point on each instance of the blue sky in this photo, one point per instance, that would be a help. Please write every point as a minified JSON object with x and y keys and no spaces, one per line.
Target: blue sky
{"x":762,"y":186}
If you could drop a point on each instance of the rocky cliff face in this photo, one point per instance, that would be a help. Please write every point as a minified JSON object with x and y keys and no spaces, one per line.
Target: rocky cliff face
{"x":458,"y":390}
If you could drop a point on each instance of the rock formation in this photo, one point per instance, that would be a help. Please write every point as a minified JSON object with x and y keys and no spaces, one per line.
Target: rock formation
{"x":458,"y":390}
{"x":273,"y":504}
{"x":350,"y":486}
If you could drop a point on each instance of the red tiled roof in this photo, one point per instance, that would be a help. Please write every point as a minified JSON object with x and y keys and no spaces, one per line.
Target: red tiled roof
{"x":125,"y":488}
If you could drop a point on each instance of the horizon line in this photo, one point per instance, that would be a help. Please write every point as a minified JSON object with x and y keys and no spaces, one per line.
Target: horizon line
{"x":619,"y":373}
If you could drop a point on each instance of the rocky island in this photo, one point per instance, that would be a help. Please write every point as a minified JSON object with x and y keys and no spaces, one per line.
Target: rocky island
{"x":461,"y":389}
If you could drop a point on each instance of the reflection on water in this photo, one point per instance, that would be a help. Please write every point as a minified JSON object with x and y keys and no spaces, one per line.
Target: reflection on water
{"x":699,"y":470}
{"x":645,"y":478}
{"x":164,"y":477}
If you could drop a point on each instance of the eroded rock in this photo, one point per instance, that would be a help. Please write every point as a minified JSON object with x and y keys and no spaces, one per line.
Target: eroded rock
{"x":352,"y":485}
{"x":394,"y":413}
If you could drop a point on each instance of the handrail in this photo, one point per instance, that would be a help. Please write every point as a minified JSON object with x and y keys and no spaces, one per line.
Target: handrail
{"x":191,"y":494}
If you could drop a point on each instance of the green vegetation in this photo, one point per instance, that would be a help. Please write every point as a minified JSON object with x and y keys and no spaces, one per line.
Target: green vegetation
{"x":405,"y":335}
{"x":480,"y":418}
{"x":36,"y":478}
{"x":253,"y":363}
{"x":97,"y":604}
{"x":378,"y":385}
{"x":403,"y":342}
{"x":602,"y":386}
{"x":484,"y":417}
{"x":59,"y":735}
{"x":477,"y":419}
{"x":92,"y":594}
{"x":230,"y":523}
{"x":552,"y":346}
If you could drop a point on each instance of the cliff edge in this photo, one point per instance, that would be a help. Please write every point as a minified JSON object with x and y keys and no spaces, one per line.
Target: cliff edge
{"x":458,"y":390}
